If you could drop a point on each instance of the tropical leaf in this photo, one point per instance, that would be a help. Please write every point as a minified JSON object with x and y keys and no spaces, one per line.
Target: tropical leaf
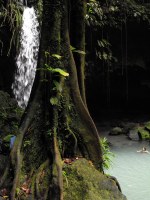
{"x":72,"y":48}
{"x":57,"y":56}
{"x":7,"y":138}
{"x":60,"y":71}
{"x":56,"y":70}
{"x":80,"y":52}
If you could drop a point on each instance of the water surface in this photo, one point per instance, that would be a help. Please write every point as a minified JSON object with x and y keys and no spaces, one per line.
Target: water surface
{"x":132,"y":169}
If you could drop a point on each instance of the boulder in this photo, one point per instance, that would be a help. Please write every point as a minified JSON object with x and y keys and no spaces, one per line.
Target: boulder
{"x":83,"y":181}
{"x":147,"y":126}
{"x":116,"y":131}
{"x":139,"y":134}
{"x":144,"y":133}
{"x":133,"y":135}
{"x":129,"y":126}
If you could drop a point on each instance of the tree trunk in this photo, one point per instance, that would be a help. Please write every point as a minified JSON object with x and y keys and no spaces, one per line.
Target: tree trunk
{"x":87,"y":128}
{"x":56,"y":114}
{"x":77,"y":37}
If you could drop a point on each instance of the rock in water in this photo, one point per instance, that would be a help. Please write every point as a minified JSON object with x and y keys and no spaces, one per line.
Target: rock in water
{"x":116,"y":131}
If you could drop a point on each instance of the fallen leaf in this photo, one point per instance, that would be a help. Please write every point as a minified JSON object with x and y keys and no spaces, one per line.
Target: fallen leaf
{"x":90,"y":162}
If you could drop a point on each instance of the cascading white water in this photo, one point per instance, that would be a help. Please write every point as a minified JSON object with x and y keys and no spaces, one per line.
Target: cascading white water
{"x":27,"y":58}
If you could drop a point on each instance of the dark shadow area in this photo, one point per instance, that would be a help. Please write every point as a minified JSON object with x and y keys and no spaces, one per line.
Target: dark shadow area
{"x":7,"y":60}
{"x":122,"y":89}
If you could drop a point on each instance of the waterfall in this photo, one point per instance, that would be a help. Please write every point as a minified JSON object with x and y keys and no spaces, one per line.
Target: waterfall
{"x":27,"y":59}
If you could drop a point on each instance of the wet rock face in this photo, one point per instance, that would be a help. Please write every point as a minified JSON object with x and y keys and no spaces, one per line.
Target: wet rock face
{"x":83,"y":181}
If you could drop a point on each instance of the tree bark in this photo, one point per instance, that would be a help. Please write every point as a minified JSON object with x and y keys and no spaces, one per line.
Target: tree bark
{"x":88,"y":129}
{"x":51,"y":124}
{"x":77,"y":37}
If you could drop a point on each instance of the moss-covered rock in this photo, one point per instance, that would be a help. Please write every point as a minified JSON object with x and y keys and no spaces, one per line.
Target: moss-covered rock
{"x":147,"y":126}
{"x":83,"y":182}
{"x":144,"y":133}
{"x":139,"y":133}
{"x":10,"y":114}
{"x":127,"y":126}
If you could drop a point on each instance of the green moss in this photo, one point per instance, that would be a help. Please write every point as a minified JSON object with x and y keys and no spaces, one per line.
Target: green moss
{"x":10,"y":115}
{"x":144,"y":133}
{"x":83,"y":182}
{"x":40,"y":8}
{"x":147,"y":125}
{"x":34,"y":148}
{"x":43,"y":178}
{"x":34,"y":151}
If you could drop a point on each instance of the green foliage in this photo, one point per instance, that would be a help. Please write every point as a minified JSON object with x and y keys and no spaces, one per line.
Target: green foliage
{"x":52,"y":69}
{"x":49,"y":132}
{"x":40,"y":8}
{"x":17,"y":191}
{"x":3,"y":114}
{"x":103,"y":51}
{"x":54,"y":100}
{"x":12,"y":16}
{"x":10,"y":114}
{"x":94,"y":16}
{"x":56,"y":70}
{"x":60,"y":71}
{"x":112,"y":14}
{"x":57,"y":86}
{"x":57,"y":56}
{"x":107,"y":154}
{"x":74,"y":50}
{"x":7,"y":138}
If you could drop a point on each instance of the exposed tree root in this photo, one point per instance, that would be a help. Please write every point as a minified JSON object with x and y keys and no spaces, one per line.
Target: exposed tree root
{"x":57,"y":177}
{"x":17,"y":164}
{"x":90,"y":134}
{"x":16,"y":158}
{"x":73,"y":134}
{"x":35,"y":185}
